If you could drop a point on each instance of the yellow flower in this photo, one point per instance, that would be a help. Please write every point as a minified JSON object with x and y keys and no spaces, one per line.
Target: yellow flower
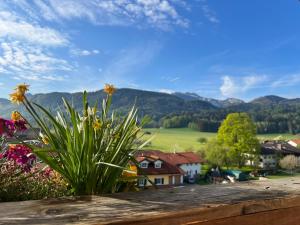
{"x":97,"y":125}
{"x":17,"y":97}
{"x":109,"y":89}
{"x":45,"y":140}
{"x":15,"y":116}
{"x":22,"y":88}
{"x":132,"y":172}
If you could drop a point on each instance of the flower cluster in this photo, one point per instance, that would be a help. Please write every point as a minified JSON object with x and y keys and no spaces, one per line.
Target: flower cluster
{"x":39,"y":183}
{"x":19,"y":95}
{"x":21,"y":155}
{"x":9,"y":127}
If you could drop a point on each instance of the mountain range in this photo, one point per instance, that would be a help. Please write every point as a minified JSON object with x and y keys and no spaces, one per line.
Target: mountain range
{"x":155,"y":104}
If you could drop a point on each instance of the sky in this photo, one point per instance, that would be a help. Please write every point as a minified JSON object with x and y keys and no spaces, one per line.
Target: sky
{"x":215,"y":48}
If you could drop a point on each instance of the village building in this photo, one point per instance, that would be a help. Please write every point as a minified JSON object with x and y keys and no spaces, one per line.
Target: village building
{"x":273,"y":151}
{"x":295,"y":142}
{"x":167,"y":169}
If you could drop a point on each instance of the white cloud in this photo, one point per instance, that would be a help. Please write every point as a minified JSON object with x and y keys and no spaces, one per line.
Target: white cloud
{"x":288,"y":80}
{"x":234,"y":87}
{"x":15,"y":27}
{"x":166,"y":91}
{"x":79,"y":52}
{"x":210,"y":14}
{"x":157,"y":13}
{"x":170,"y":79}
{"x":29,"y":62}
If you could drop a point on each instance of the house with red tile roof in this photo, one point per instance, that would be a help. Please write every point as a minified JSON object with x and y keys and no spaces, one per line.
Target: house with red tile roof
{"x":295,"y":142}
{"x":167,"y":168}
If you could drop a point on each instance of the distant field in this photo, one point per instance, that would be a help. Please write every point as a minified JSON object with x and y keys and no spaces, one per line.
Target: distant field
{"x":183,"y":139}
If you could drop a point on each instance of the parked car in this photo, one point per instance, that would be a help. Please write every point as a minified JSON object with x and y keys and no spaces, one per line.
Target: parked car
{"x":239,"y":175}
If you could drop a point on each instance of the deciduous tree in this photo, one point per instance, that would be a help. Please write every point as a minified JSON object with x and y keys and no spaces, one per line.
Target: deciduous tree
{"x":238,"y":134}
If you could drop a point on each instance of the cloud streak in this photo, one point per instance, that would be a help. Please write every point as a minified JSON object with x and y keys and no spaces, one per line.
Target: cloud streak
{"x":233,"y":87}
{"x":18,"y":28}
{"x":209,"y":14}
{"x":29,"y":62}
{"x":162,"y":14}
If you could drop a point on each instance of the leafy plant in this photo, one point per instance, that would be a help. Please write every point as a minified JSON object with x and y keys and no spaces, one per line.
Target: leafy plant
{"x":90,"y":149}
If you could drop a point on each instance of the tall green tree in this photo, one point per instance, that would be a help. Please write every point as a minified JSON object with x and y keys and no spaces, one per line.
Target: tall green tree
{"x":216,"y":153}
{"x":238,"y":134}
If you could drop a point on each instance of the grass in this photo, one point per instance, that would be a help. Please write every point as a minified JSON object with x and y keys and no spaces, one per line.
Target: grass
{"x":282,"y":175}
{"x":184,"y":139}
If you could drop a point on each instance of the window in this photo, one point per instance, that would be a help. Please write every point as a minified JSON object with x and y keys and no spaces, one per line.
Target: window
{"x":142,"y":182}
{"x":144,"y":165}
{"x":157,"y":164}
{"x":159,"y":181}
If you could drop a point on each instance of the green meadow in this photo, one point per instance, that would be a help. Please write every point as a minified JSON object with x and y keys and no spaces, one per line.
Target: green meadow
{"x":184,"y":139}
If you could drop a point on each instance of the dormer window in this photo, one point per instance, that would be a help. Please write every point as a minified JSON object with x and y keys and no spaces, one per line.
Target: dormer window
{"x":144,"y":164}
{"x":157,"y":164}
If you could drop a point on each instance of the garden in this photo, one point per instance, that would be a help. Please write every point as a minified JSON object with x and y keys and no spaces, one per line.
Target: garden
{"x":74,"y":153}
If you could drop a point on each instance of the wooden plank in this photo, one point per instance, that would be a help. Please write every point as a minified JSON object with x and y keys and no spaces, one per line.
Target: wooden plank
{"x":267,"y":212}
{"x":189,"y":204}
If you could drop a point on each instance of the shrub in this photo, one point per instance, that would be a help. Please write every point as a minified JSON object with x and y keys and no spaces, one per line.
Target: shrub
{"x":202,"y":140}
{"x":289,"y":162}
{"x":15,"y":185}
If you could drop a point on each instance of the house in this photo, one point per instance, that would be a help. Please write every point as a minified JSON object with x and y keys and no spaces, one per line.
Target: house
{"x":294,"y":142}
{"x":168,"y":168}
{"x":273,"y":151}
{"x":158,"y":171}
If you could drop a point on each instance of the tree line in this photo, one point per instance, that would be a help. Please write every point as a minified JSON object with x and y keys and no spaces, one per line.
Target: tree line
{"x":273,"y":119}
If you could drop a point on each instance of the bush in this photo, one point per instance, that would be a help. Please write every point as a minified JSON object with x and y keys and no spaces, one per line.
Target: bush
{"x":202,"y":140}
{"x":16,"y":185}
{"x":289,"y":162}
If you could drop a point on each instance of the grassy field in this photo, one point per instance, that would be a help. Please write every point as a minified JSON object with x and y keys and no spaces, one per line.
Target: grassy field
{"x":184,"y":139}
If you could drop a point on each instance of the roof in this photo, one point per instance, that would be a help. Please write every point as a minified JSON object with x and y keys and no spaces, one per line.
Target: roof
{"x":296,"y":141}
{"x":281,"y":147}
{"x":184,"y":158}
{"x":173,"y":158}
{"x":166,"y":168}
{"x":170,"y":164}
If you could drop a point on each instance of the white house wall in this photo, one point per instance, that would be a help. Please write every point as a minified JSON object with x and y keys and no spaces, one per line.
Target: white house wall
{"x":191,"y":169}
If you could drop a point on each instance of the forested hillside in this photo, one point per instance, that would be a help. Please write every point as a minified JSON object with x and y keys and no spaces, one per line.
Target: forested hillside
{"x":272,"y":114}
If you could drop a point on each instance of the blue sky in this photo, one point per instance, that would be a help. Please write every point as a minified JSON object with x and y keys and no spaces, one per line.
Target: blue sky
{"x":218,"y":49}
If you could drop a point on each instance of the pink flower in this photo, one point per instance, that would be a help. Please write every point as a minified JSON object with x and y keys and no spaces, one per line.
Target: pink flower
{"x":21,"y":155}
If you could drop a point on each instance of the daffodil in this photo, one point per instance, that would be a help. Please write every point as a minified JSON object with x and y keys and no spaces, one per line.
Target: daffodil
{"x":22,"y":88}
{"x":45,"y":140}
{"x":17,"y":97}
{"x":97,"y":125}
{"x":109,"y":89}
{"x":15,"y":116}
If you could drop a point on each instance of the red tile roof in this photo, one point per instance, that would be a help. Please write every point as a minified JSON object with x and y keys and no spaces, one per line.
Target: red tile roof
{"x":166,"y":168}
{"x":173,"y":158}
{"x":297,"y":141}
